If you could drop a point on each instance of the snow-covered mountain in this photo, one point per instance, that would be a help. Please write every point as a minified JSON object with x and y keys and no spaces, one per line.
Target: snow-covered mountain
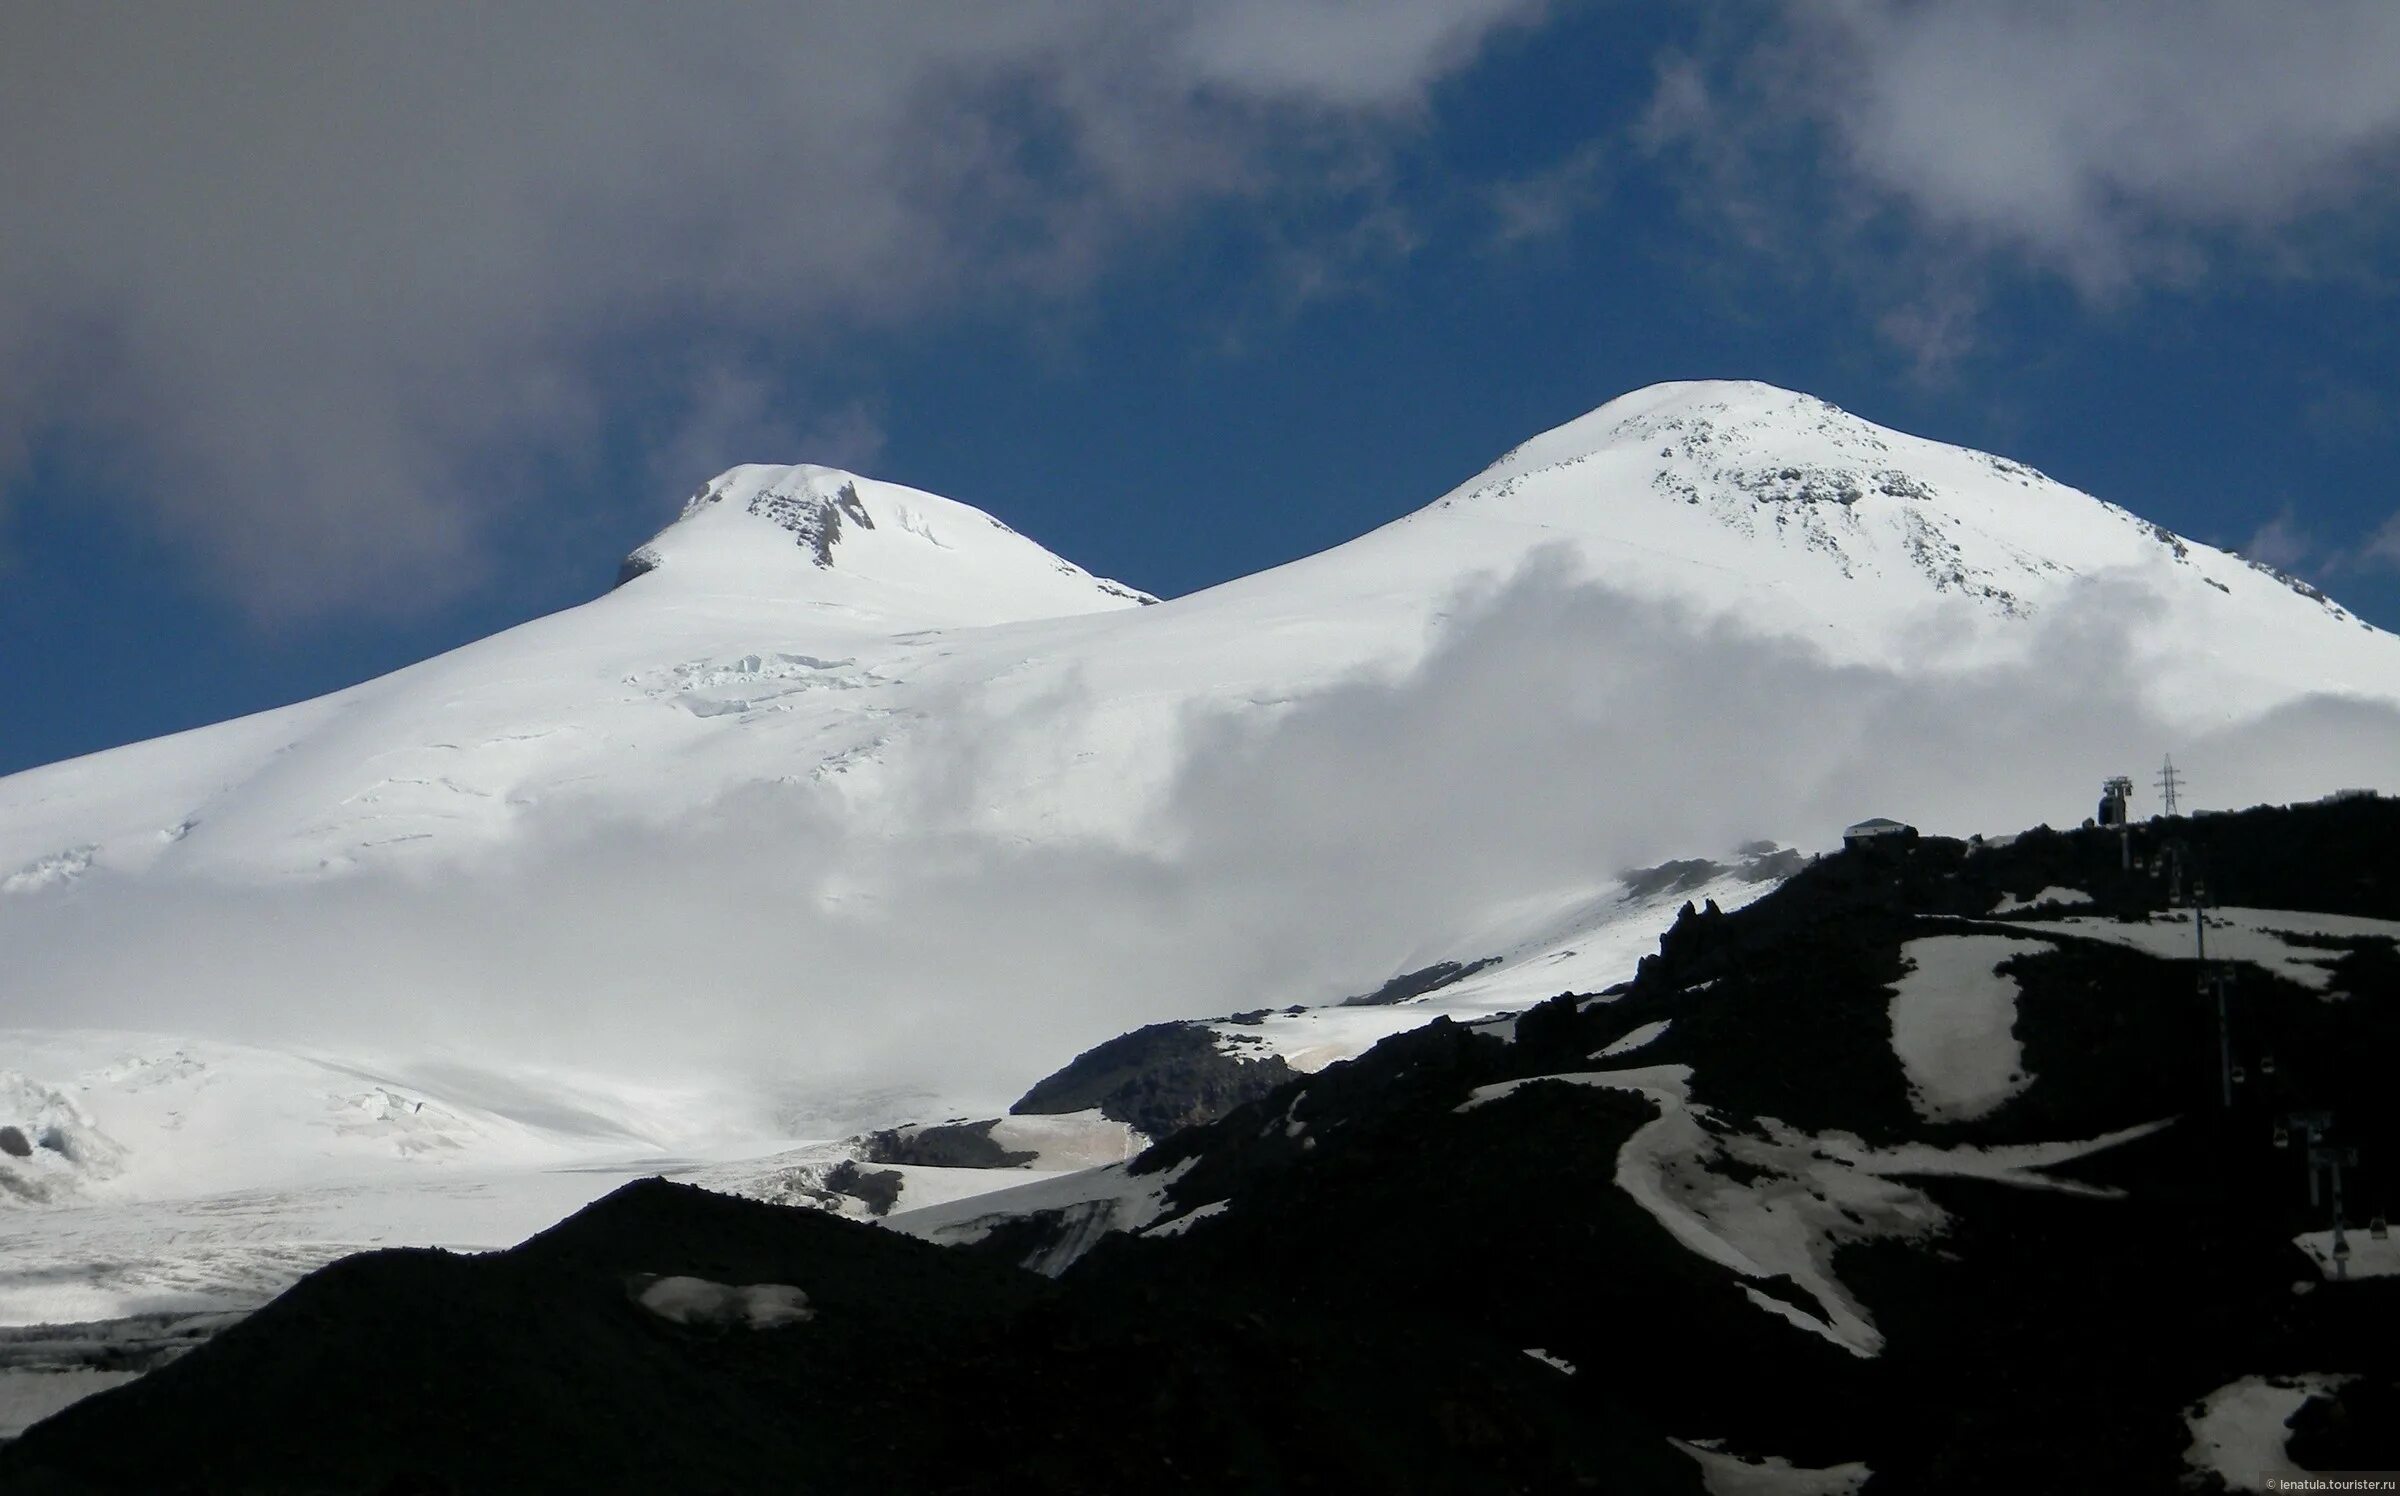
{"x":908,"y":557}
{"x":805,"y":623}
{"x":850,"y":806}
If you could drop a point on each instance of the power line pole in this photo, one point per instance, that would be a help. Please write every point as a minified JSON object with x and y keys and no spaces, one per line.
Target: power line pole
{"x":2170,"y":781}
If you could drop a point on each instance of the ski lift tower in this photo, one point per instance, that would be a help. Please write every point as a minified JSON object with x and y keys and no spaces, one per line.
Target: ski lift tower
{"x":2326,"y":1159}
{"x":2116,"y":798}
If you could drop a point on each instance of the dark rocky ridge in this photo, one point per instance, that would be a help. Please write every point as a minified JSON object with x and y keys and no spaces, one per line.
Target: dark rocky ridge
{"x":923,"y":1370}
{"x":1762,"y":862}
{"x":1419,"y":982}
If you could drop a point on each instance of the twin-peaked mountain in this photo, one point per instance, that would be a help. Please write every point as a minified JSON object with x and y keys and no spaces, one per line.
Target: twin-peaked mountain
{"x":786,"y":605}
{"x":901,"y":808}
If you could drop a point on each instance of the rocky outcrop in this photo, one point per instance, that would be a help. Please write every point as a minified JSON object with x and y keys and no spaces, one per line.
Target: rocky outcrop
{"x":1157,"y":1080}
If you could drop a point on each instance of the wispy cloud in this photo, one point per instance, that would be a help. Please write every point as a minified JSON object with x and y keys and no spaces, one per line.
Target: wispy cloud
{"x":2281,"y":542}
{"x":2288,"y":544}
{"x":730,"y":415}
{"x":2381,"y":549}
{"x":1545,"y":203}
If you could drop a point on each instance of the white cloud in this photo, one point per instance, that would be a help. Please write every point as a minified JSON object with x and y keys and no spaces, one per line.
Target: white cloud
{"x":2281,"y":542}
{"x":730,"y":416}
{"x":2106,"y":143}
{"x":1350,"y":52}
{"x":2381,"y":550}
{"x":2285,"y":544}
{"x":312,"y":272}
{"x":2077,"y":133}
{"x":1545,"y":203}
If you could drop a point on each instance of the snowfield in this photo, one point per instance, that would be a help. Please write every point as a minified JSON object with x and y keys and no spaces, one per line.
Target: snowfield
{"x":1728,"y":1474}
{"x":1952,"y":1021}
{"x":2239,"y":1432}
{"x":2251,"y":937}
{"x":232,"y":1252}
{"x":148,"y":1116}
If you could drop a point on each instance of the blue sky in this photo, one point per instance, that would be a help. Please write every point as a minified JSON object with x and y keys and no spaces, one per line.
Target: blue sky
{"x":322,"y":350}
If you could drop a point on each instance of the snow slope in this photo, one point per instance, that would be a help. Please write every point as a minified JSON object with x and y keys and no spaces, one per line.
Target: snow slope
{"x":148,"y":1116}
{"x":1953,"y":1018}
{"x":1585,"y":940}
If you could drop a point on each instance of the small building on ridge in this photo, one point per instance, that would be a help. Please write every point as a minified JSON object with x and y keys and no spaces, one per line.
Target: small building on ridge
{"x":1878,"y":830}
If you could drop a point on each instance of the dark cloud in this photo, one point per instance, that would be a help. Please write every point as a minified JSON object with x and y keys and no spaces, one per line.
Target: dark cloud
{"x":319,"y":275}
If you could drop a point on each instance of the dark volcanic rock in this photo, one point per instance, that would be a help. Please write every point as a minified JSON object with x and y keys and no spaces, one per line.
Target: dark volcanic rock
{"x":1681,"y":876}
{"x":2350,"y":1429}
{"x":1419,"y":982}
{"x":2036,"y":1340}
{"x":1762,"y":862}
{"x":639,"y":564}
{"x":878,"y":1188}
{"x":1157,"y":1080}
{"x":944,"y":1145}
